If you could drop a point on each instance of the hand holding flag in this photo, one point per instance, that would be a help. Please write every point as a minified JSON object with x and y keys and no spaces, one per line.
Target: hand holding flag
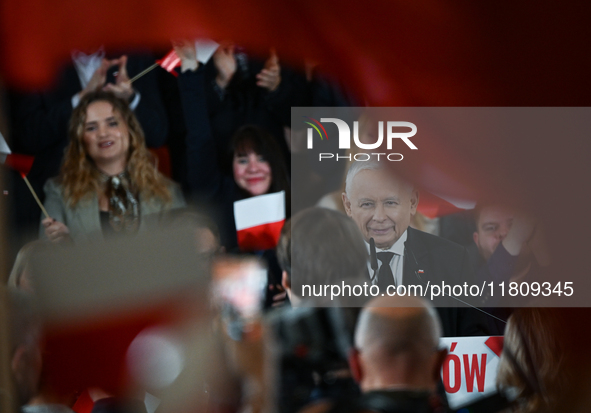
{"x":204,"y":50}
{"x":122,"y":87}
{"x":56,"y":231}
{"x":168,"y":63}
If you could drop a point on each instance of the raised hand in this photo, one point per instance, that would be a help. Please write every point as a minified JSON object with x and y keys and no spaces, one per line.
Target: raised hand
{"x":186,"y":51}
{"x":98,"y":79}
{"x":122,"y":87}
{"x":225,"y":63}
{"x":270,"y":77}
{"x":520,"y":232}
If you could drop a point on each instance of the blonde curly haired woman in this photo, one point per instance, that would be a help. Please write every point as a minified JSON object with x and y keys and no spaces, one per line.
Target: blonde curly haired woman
{"x":108,"y":183}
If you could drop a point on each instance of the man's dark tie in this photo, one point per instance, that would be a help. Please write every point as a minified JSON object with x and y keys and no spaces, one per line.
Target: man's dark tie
{"x":385,"y":276}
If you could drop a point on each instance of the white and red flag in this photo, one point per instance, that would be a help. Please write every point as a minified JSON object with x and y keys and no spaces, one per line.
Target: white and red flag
{"x":259,"y":221}
{"x":170,"y":62}
{"x":22,"y":164}
{"x":18,"y":162}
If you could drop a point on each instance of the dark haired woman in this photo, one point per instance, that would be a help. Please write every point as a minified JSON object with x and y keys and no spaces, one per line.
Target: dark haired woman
{"x":257,"y":162}
{"x":257,"y":165}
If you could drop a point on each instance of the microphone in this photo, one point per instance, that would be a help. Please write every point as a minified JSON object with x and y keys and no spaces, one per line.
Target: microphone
{"x":373,"y":258}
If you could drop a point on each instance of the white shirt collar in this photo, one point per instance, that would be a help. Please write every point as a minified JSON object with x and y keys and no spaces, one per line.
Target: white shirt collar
{"x":86,"y":65}
{"x":396,"y":263}
{"x":397,"y":247}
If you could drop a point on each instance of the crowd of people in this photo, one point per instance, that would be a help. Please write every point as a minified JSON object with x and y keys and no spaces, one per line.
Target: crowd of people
{"x":103,"y":176}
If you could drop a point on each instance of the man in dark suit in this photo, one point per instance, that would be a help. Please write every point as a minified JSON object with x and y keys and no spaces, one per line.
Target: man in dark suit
{"x":382,"y":204}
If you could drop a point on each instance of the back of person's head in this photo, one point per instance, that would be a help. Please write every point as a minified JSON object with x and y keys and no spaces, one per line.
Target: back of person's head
{"x":20,"y":275}
{"x":396,"y":345}
{"x":320,"y":246}
{"x":25,"y":334}
{"x":534,"y":359}
{"x":207,"y":233}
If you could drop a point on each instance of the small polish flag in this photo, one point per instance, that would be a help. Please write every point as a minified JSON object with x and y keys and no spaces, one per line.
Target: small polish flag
{"x":18,"y":162}
{"x":259,"y":221}
{"x":170,"y":61}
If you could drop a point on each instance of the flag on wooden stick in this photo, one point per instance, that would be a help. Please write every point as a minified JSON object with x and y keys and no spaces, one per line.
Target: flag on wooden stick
{"x":168,"y":63}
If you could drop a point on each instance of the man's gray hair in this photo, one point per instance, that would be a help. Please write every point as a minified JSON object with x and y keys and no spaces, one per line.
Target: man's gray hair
{"x":355,"y":168}
{"x":358,"y":166}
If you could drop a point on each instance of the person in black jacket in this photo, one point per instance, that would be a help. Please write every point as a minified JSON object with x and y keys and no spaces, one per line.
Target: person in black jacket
{"x":382,"y":204}
{"x":257,"y":166}
{"x":241,"y":90}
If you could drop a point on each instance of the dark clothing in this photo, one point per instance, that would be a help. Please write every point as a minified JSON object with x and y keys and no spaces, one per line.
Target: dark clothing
{"x":243,"y":102}
{"x":389,"y":401}
{"x":118,"y":405}
{"x":429,"y":259}
{"x":40,"y":128}
{"x":204,"y":180}
{"x":500,"y":267}
{"x":458,"y":227}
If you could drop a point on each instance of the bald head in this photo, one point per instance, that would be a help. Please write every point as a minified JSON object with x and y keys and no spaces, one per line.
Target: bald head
{"x":397,"y":339}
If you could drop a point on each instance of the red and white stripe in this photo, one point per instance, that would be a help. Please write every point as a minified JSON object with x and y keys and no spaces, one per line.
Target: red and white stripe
{"x":170,"y":61}
{"x":18,"y":162}
{"x":259,"y":221}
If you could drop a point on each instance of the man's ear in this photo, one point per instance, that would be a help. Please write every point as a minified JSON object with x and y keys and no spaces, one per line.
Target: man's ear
{"x":20,"y":363}
{"x":355,"y":364}
{"x":440,"y":356}
{"x":475,"y":238}
{"x":285,"y":282}
{"x":346,"y":203}
{"x":414,"y":201}
{"x":18,"y":359}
